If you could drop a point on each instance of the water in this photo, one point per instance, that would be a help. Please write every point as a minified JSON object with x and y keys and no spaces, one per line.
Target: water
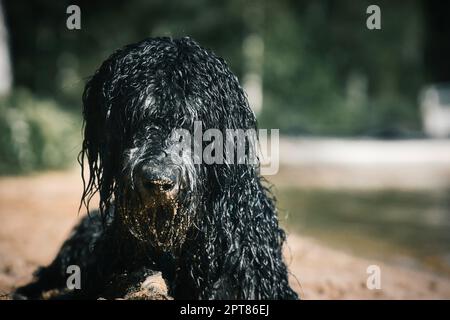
{"x":410,"y":228}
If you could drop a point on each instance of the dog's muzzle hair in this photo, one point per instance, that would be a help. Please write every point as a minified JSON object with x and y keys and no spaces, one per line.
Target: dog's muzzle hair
{"x":157,"y":196}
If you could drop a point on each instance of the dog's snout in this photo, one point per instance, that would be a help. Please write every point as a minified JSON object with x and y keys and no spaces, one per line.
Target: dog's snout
{"x":157,"y":179}
{"x":161,"y":184}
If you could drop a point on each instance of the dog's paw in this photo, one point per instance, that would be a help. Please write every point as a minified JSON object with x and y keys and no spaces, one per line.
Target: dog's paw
{"x":153,"y":287}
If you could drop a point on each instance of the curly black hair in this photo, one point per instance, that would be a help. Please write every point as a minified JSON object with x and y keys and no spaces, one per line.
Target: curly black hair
{"x":211,"y":229}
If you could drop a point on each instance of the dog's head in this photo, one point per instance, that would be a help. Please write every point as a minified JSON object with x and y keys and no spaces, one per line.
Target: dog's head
{"x":133,"y":106}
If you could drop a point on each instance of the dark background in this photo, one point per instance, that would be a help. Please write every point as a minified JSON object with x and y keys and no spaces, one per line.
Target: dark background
{"x":312,"y":51}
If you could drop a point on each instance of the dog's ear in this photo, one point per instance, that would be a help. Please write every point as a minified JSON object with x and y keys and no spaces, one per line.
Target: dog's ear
{"x":243,"y":240}
{"x":95,"y":147}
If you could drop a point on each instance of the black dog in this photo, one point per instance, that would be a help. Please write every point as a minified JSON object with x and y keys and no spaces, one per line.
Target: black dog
{"x":212,"y":230}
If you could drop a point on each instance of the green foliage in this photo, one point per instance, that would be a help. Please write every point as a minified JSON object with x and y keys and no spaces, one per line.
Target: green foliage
{"x":324,"y":72}
{"x":36,"y":134}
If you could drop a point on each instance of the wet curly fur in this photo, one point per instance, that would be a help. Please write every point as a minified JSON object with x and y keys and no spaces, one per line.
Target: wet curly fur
{"x":217,"y":235}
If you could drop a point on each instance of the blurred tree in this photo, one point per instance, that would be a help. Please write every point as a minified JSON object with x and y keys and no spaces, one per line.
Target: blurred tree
{"x":437,"y":49}
{"x":52,"y":60}
{"x":253,"y":52}
{"x":5,"y":63}
{"x":326,"y":73}
{"x":321,"y":71}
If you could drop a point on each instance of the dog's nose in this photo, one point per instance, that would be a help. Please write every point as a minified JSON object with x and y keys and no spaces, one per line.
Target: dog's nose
{"x":157,"y":179}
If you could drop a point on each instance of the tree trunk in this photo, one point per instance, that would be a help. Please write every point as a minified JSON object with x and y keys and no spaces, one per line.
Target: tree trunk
{"x":5,"y":61}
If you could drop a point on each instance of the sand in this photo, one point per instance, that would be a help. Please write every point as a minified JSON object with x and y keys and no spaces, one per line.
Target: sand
{"x":37,"y":213}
